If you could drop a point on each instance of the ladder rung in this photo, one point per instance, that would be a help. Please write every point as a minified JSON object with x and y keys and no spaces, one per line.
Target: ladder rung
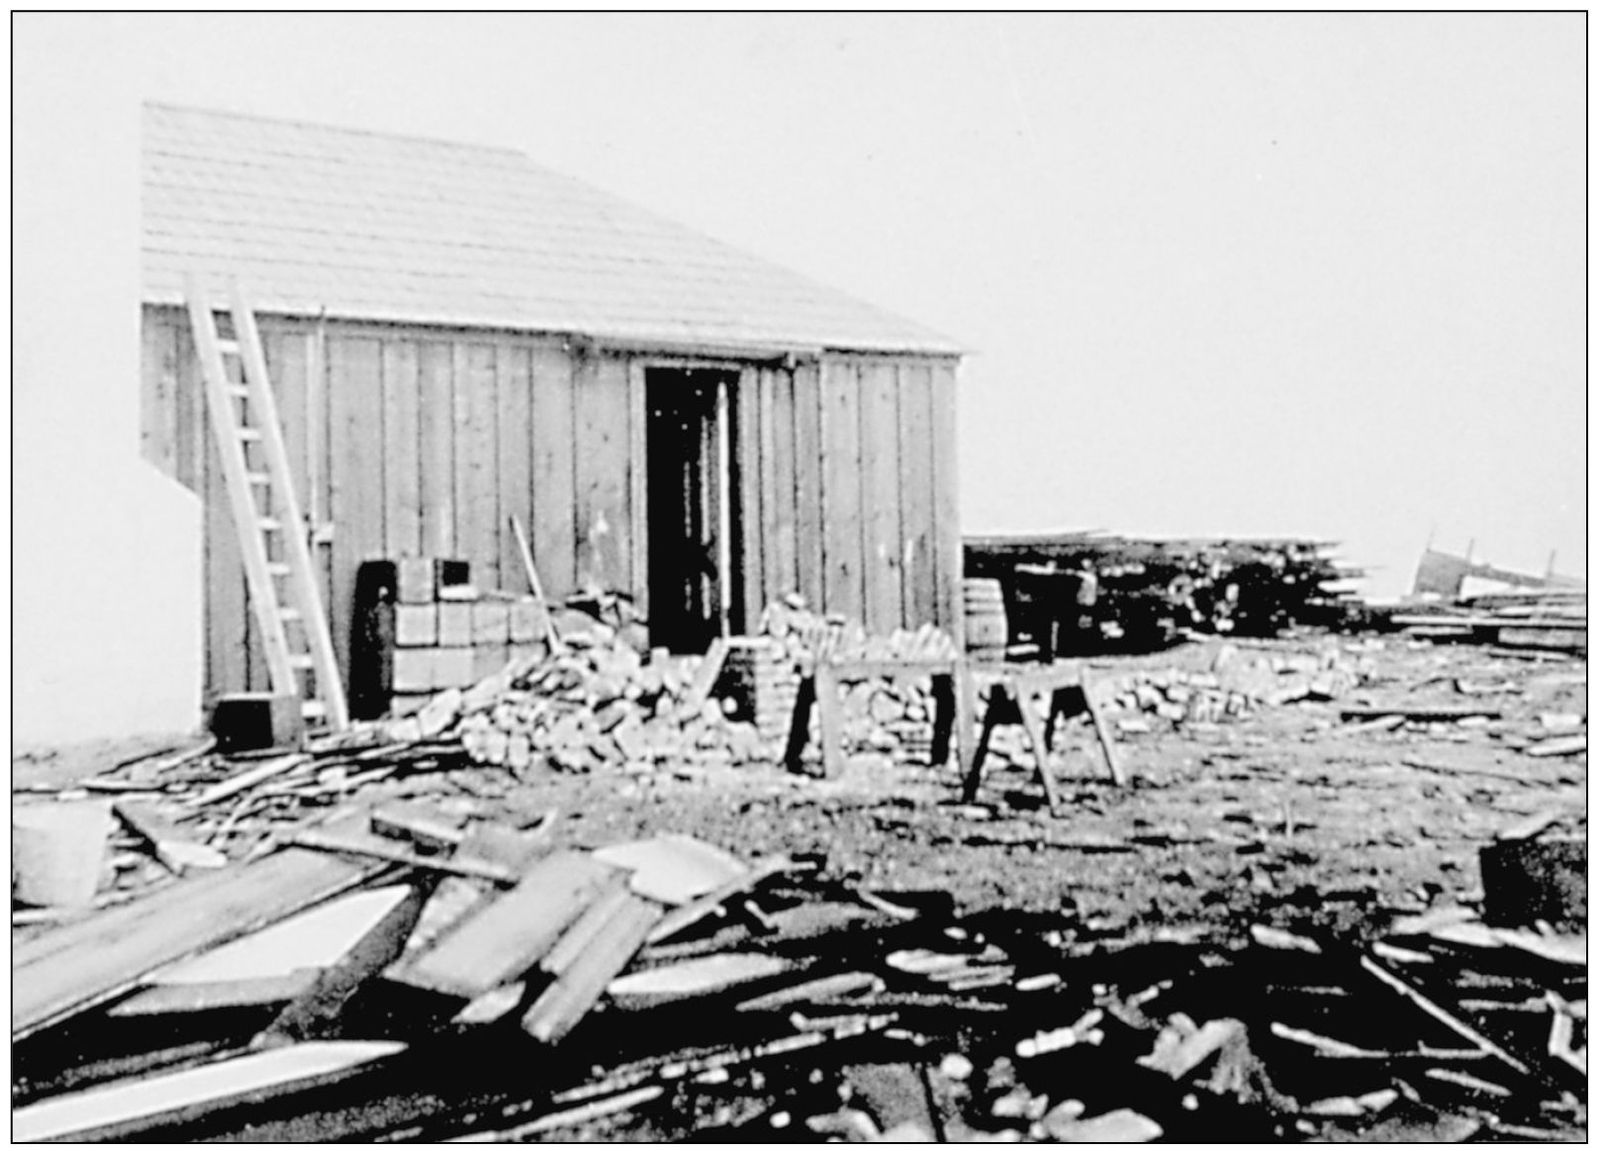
{"x":227,"y":347}
{"x":259,"y":477}
{"x":313,"y":709}
{"x":238,"y":390}
{"x":269,"y":524}
{"x":289,"y":614}
{"x":277,"y":568}
{"x":300,"y":662}
{"x":248,"y":433}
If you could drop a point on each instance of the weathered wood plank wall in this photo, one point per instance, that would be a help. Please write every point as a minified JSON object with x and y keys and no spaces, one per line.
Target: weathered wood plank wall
{"x":419,"y":441}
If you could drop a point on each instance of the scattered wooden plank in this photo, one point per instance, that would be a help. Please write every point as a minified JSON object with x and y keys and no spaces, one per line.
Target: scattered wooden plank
{"x":589,"y":1113}
{"x":1565,"y":745}
{"x":119,"y":1109}
{"x":703,"y":975}
{"x":180,"y":998}
{"x":1545,"y":623}
{"x":85,"y":963}
{"x":313,"y":939}
{"x":575,"y":991}
{"x":1440,"y":1014}
{"x":312,"y":1013}
{"x":176,"y":851}
{"x":511,"y":934}
{"x":1532,"y":825}
{"x":354,"y":843}
{"x":681,"y":918}
{"x":1452,"y":770}
{"x":1441,"y":713}
{"x":578,"y":938}
{"x":417,"y":824}
{"x":248,"y":779}
{"x":674,"y":869}
{"x":824,"y":989}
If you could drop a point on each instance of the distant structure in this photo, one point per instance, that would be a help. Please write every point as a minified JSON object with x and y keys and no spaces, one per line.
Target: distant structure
{"x":1442,"y":576}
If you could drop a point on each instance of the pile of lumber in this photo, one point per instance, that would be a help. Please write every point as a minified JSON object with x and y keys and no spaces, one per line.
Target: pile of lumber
{"x":1149,"y":593}
{"x":1551,"y":619}
{"x":664,"y":988}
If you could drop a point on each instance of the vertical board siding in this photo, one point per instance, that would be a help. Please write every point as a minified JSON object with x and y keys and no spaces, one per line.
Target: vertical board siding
{"x":773,"y":573}
{"x":193,"y":432}
{"x":749,"y":555}
{"x":602,"y":437}
{"x":436,"y":448}
{"x":809,"y":486}
{"x":918,"y":494}
{"x":403,"y":498}
{"x":882,"y":520}
{"x":477,"y":520}
{"x":551,"y":480}
{"x":843,"y":535}
{"x":639,"y":534}
{"x":512,"y":455}
{"x":319,"y":422}
{"x":356,"y":474}
{"x":286,"y":355}
{"x":423,"y":442}
{"x":948,"y":543}
{"x":226,"y":609}
{"x":158,"y":396}
{"x":784,"y":450}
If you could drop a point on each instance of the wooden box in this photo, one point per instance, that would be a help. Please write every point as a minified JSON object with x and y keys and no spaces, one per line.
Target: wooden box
{"x":416,"y":625}
{"x":455,"y":624}
{"x":489,"y":622}
{"x":252,"y":721}
{"x":453,"y":667}
{"x":413,"y":669}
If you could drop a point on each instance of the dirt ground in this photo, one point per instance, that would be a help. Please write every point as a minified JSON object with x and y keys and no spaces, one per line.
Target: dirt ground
{"x":1284,"y":816}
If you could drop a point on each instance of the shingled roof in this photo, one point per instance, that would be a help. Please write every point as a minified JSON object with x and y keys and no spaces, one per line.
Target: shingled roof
{"x":370,"y":226}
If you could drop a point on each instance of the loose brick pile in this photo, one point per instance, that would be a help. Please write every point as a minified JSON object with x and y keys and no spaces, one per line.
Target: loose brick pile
{"x":1236,"y":685}
{"x":602,"y":704}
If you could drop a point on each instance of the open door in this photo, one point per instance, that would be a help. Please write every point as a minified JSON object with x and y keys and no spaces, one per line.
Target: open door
{"x":691,"y":506}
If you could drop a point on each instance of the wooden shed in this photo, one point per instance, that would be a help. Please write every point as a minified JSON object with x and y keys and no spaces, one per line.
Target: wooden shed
{"x":456,"y":335}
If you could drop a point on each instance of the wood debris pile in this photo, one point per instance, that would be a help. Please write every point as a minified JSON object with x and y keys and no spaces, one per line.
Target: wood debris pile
{"x":1149,"y":593}
{"x":1534,"y":619}
{"x":416,"y":977}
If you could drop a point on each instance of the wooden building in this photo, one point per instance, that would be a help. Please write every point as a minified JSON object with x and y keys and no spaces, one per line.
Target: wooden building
{"x":457,"y":336}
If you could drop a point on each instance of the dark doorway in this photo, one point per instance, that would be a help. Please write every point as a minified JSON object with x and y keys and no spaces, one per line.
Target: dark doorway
{"x":691,"y":505}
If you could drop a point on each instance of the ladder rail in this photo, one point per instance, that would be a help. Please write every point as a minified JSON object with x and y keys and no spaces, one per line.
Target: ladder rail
{"x":302,"y":588}
{"x":231,"y":453}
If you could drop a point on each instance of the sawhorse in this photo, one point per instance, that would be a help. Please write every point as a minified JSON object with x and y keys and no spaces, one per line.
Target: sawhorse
{"x":948,"y":678}
{"x":1021,"y":690}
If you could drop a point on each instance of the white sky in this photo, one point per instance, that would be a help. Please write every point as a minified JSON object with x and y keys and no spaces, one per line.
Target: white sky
{"x":1318,"y":275}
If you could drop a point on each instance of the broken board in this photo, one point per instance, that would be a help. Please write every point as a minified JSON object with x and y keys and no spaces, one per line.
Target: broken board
{"x":512,"y":933}
{"x":85,"y":963}
{"x":101,"y":1111}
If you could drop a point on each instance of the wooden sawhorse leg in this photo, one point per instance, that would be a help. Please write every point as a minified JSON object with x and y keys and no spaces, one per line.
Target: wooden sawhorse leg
{"x":806,"y":696}
{"x":821,"y":689}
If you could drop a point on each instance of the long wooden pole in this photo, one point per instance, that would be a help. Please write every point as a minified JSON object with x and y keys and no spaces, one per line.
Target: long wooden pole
{"x":534,"y":583}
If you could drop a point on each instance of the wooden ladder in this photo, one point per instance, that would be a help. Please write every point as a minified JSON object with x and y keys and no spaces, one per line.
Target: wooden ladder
{"x":267,"y":516}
